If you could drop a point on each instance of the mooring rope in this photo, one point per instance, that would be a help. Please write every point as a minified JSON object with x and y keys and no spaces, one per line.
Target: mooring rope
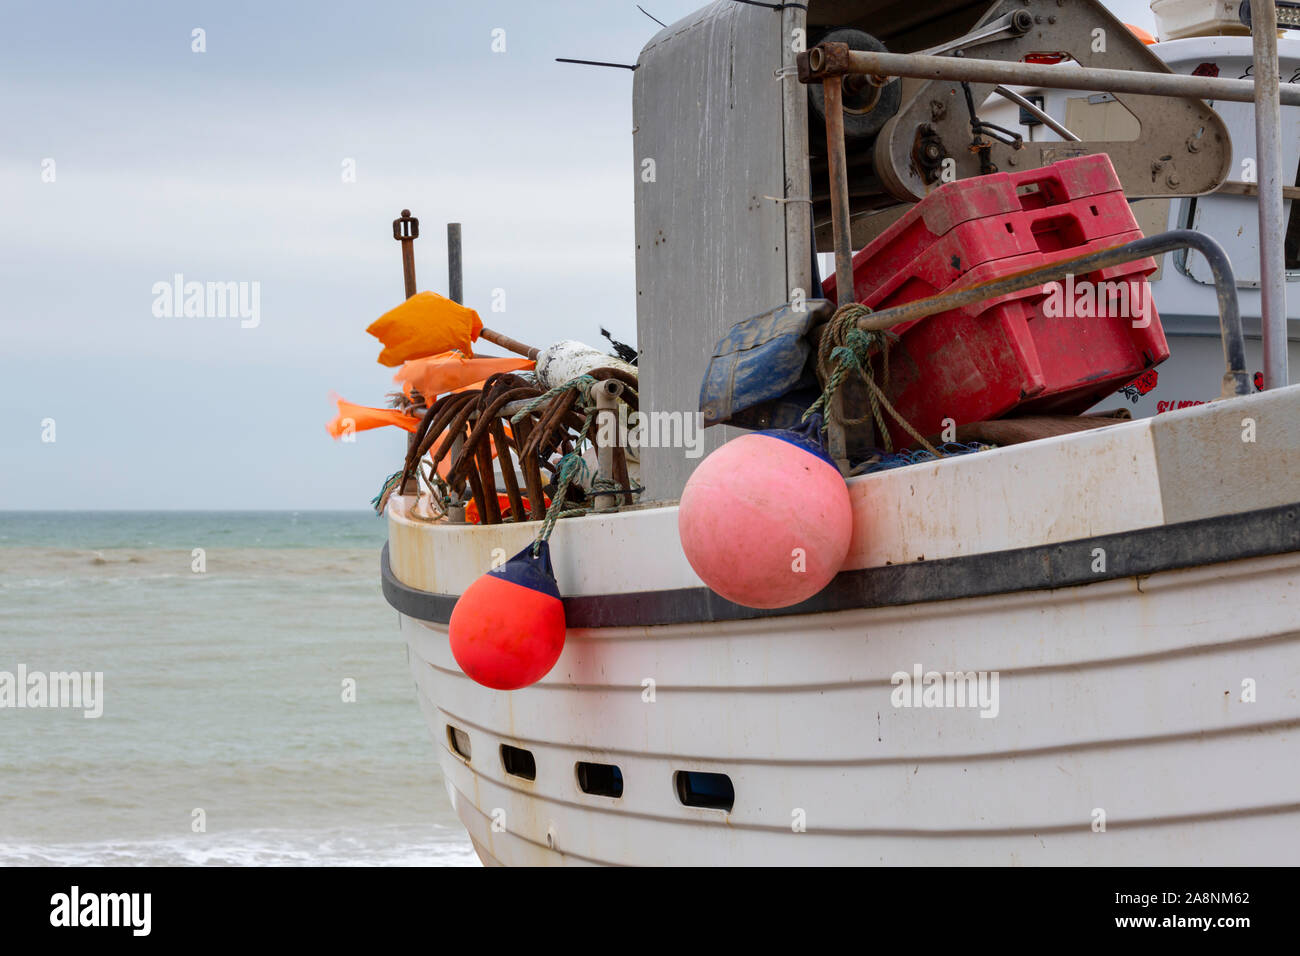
{"x":571,"y":465}
{"x":379,"y":501}
{"x":845,"y":348}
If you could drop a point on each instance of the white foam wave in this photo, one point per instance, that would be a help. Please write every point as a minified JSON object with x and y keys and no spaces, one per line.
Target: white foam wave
{"x":385,"y":846}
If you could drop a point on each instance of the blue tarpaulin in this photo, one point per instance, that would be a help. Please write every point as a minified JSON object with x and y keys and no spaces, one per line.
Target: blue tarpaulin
{"x":759,"y":360}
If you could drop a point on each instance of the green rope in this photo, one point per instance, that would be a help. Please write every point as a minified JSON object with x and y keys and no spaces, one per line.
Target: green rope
{"x":389,"y":486}
{"x":845,"y":348}
{"x":571,"y":465}
{"x":582,"y":382}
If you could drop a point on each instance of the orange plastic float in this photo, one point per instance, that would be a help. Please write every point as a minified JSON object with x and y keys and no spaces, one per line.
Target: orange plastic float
{"x":507,"y":629}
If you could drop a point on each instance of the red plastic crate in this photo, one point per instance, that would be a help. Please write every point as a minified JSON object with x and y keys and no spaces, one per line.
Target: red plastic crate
{"x":968,"y":223}
{"x":1007,"y":354}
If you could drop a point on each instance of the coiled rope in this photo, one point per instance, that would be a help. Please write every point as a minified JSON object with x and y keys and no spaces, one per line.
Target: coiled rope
{"x":845,"y":348}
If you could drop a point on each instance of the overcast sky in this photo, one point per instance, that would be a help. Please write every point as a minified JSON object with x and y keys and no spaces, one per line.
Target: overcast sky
{"x":228,"y":165}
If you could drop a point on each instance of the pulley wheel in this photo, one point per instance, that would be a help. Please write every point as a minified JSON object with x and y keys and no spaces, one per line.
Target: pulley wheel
{"x":867,"y":107}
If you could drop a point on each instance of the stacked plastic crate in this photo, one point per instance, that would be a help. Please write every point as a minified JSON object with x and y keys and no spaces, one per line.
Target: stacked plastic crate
{"x":1055,"y":349}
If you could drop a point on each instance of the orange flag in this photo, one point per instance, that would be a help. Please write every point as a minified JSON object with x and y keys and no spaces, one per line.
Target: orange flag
{"x":425,"y":324}
{"x":435,"y":375}
{"x":359,"y":418}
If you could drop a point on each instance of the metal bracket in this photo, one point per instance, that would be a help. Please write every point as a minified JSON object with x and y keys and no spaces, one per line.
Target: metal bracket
{"x":1167,"y":123}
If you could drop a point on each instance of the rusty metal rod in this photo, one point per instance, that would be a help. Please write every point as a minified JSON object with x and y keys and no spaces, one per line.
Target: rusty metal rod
{"x":509,"y":344}
{"x":476,"y":491}
{"x":406,"y":230}
{"x":839,"y":190}
{"x":1059,"y":77}
{"x":502,"y":444}
{"x":555,"y":413}
{"x":532,"y":472}
{"x":438,"y":420}
{"x":455,"y":433}
{"x":483,"y":427}
{"x":483,"y":453}
{"x":832,"y":86}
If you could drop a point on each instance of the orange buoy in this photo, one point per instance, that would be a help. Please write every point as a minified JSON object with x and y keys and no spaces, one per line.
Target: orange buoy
{"x":765,"y":520}
{"x":507,"y":629}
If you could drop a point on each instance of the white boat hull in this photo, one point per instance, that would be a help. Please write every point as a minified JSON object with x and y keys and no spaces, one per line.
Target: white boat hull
{"x":1111,"y":699}
{"x":1145,"y":718}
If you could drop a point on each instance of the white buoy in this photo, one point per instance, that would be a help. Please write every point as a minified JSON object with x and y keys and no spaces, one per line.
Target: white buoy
{"x":565,"y":361}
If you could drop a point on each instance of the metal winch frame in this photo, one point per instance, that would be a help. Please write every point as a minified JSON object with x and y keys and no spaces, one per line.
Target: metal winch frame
{"x":831,"y":63}
{"x":1184,"y":148}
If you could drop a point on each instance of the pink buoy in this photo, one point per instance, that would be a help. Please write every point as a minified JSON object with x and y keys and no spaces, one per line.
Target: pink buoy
{"x":765,"y":520}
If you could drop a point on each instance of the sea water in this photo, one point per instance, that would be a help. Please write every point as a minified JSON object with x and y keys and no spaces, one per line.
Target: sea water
{"x":256,"y":704}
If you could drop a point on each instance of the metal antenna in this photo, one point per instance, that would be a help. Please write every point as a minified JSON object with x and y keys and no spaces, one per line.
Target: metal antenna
{"x":621,"y":66}
{"x":651,"y":15}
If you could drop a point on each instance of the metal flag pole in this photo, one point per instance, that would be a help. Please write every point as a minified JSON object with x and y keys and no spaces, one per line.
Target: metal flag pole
{"x":406,"y":230}
{"x":1272,"y":221}
{"x":455,"y":282}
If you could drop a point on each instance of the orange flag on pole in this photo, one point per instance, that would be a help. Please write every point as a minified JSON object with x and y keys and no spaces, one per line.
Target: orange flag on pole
{"x":436,"y":375}
{"x":425,"y":324}
{"x":359,"y":418}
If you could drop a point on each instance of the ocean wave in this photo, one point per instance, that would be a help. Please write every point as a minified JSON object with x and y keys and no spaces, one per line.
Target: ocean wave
{"x":36,"y":567}
{"x":175,"y":529}
{"x":382,"y":846}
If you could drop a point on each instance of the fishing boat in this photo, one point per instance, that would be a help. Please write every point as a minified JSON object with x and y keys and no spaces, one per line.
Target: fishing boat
{"x":1082,"y":648}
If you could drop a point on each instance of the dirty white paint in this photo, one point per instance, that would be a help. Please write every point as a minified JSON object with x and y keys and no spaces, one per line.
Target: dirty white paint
{"x":1115,"y":695}
{"x":1108,"y":697}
